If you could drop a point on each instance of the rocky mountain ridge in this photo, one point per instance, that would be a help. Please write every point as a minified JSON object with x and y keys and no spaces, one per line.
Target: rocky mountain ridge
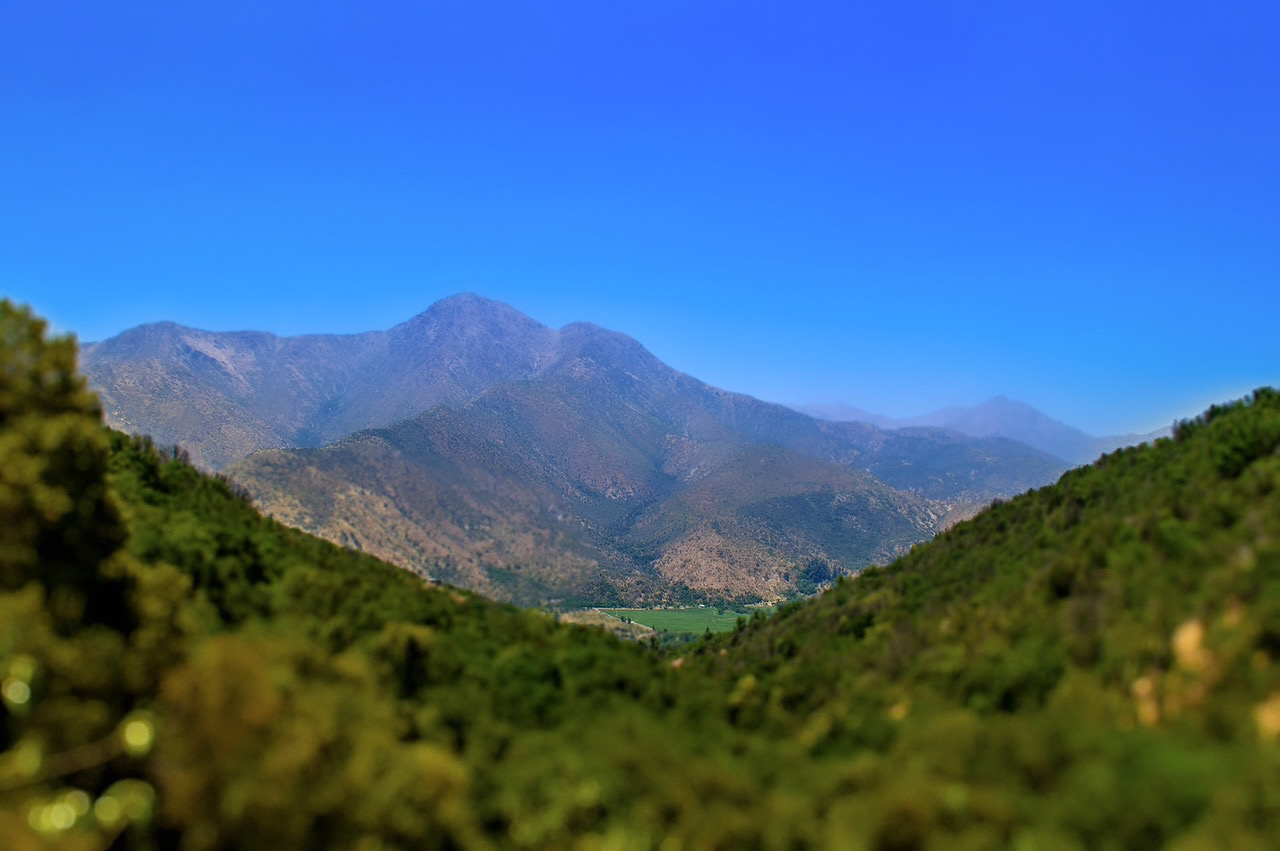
{"x":223,"y":395}
{"x":540,"y":465}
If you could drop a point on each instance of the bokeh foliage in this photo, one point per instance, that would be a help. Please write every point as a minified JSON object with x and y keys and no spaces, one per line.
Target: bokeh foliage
{"x":1092,"y":665}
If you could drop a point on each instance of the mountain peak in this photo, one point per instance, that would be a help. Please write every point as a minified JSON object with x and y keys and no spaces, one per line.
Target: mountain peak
{"x":467,"y":302}
{"x":142,"y":341}
{"x":466,"y":310}
{"x":267,"y":391}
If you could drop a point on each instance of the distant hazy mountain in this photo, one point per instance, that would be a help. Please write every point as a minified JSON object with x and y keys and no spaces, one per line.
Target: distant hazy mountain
{"x":224,"y":395}
{"x":998,"y":417}
{"x":479,"y":446}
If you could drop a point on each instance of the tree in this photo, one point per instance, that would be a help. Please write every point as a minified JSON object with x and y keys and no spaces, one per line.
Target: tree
{"x":70,"y":727}
{"x":58,"y":525}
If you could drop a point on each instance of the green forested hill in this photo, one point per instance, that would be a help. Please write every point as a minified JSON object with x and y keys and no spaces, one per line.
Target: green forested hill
{"x":1091,"y":665}
{"x":223,"y":681}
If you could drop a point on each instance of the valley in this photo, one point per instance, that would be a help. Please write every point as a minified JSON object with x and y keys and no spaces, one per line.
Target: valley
{"x":1091,"y":664}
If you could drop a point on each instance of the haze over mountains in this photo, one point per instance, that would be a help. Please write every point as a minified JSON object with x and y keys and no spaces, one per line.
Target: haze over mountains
{"x":476,"y":445}
{"x":997,"y":417}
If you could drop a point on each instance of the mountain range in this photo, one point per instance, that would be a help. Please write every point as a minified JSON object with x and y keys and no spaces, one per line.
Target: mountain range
{"x":997,"y":417}
{"x":475,"y":445}
{"x":222,"y":396}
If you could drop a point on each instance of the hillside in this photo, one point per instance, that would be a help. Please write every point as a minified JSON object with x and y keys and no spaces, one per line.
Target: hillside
{"x":1095,"y":661}
{"x":182,"y":672}
{"x":1092,"y":665}
{"x":578,"y":486}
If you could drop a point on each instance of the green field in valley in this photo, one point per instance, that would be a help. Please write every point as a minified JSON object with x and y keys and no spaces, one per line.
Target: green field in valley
{"x":693,"y":620}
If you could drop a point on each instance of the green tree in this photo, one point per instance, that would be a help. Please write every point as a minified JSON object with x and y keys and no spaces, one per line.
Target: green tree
{"x":58,"y":525}
{"x":69,"y":679}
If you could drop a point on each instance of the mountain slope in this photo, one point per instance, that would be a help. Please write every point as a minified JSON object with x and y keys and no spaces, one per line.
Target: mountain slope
{"x":1096,"y":661}
{"x":604,"y":479}
{"x":752,"y":527}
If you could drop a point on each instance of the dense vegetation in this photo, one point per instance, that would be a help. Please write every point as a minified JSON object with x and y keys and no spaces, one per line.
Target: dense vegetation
{"x":1093,"y":665}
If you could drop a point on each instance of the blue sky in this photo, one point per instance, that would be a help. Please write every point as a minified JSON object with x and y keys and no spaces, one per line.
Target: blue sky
{"x":896,"y":205}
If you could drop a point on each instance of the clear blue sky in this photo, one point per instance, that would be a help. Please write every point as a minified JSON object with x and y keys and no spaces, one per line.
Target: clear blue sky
{"x":898,"y":205}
